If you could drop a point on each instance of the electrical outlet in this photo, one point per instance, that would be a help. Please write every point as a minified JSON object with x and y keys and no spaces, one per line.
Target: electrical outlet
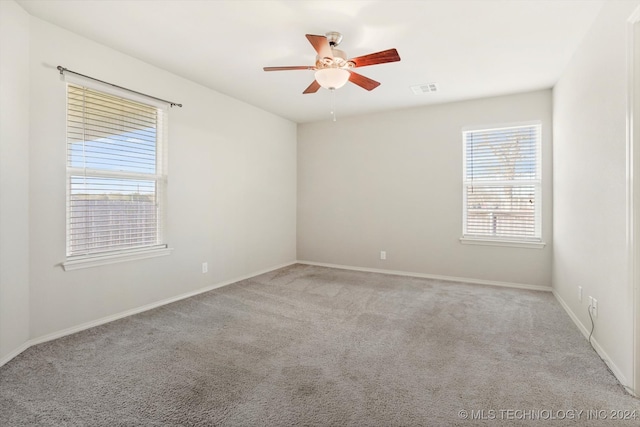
{"x":205,"y":267}
{"x":383,"y":254}
{"x":579,"y":293}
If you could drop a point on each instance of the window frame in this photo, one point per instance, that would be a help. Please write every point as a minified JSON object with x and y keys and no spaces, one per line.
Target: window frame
{"x":535,"y":241}
{"x":161,"y":248}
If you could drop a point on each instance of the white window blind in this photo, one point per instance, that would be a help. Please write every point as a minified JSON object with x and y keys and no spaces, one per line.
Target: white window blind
{"x":115,"y":174}
{"x":502,"y":183}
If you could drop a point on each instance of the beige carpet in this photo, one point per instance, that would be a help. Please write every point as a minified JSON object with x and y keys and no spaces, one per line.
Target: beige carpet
{"x":309,"y":345}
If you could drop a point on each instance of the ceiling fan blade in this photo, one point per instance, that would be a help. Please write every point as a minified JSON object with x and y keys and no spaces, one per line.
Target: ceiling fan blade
{"x":362,"y":81}
{"x":297,"y":67}
{"x":321,"y":45}
{"x":313,"y":87}
{"x":389,"y":55}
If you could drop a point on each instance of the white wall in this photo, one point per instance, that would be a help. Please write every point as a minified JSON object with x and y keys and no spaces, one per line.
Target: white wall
{"x":14,"y":178}
{"x":590,"y":185}
{"x":393,"y":181}
{"x":231,"y":190}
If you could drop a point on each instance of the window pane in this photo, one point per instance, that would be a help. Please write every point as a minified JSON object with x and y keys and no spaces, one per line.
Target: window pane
{"x":501,"y":211}
{"x":502,"y":154}
{"x":107,"y":214}
{"x":110,"y":133}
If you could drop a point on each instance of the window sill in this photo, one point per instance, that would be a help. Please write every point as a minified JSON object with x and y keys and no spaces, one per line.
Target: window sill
{"x":77,"y":263}
{"x":497,"y":242}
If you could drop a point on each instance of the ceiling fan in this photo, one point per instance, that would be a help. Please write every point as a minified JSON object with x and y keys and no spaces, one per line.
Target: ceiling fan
{"x":333,"y":69}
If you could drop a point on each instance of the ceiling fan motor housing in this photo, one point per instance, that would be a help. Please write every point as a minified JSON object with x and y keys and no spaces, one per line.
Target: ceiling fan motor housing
{"x":334,"y":38}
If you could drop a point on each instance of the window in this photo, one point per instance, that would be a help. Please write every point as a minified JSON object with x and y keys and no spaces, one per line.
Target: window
{"x":115,"y":175}
{"x":502,"y":184}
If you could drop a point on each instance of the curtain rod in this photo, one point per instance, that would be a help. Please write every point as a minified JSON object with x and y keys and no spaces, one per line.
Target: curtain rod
{"x":62,"y":71}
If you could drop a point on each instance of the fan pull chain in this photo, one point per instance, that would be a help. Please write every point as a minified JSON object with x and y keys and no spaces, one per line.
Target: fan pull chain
{"x":333,"y":103}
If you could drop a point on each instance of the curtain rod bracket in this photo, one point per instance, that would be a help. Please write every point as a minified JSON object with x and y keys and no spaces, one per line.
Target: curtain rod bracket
{"x":171,"y":104}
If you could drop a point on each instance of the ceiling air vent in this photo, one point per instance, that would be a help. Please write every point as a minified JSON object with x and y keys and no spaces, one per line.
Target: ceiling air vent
{"x":425,"y":88}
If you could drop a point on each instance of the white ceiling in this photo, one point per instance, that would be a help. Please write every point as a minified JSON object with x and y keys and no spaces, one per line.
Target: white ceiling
{"x":472,"y":49}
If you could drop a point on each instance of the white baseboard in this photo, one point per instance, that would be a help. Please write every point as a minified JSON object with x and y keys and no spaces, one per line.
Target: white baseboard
{"x":585,"y":331}
{"x":432,"y":276}
{"x":15,"y":352}
{"x":107,"y":319}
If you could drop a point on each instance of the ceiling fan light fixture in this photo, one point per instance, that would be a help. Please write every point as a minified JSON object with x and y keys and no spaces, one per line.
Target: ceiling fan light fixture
{"x":333,"y":69}
{"x":332,"y":78}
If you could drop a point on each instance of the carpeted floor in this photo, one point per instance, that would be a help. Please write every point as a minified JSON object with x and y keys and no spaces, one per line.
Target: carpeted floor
{"x":309,"y":345}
